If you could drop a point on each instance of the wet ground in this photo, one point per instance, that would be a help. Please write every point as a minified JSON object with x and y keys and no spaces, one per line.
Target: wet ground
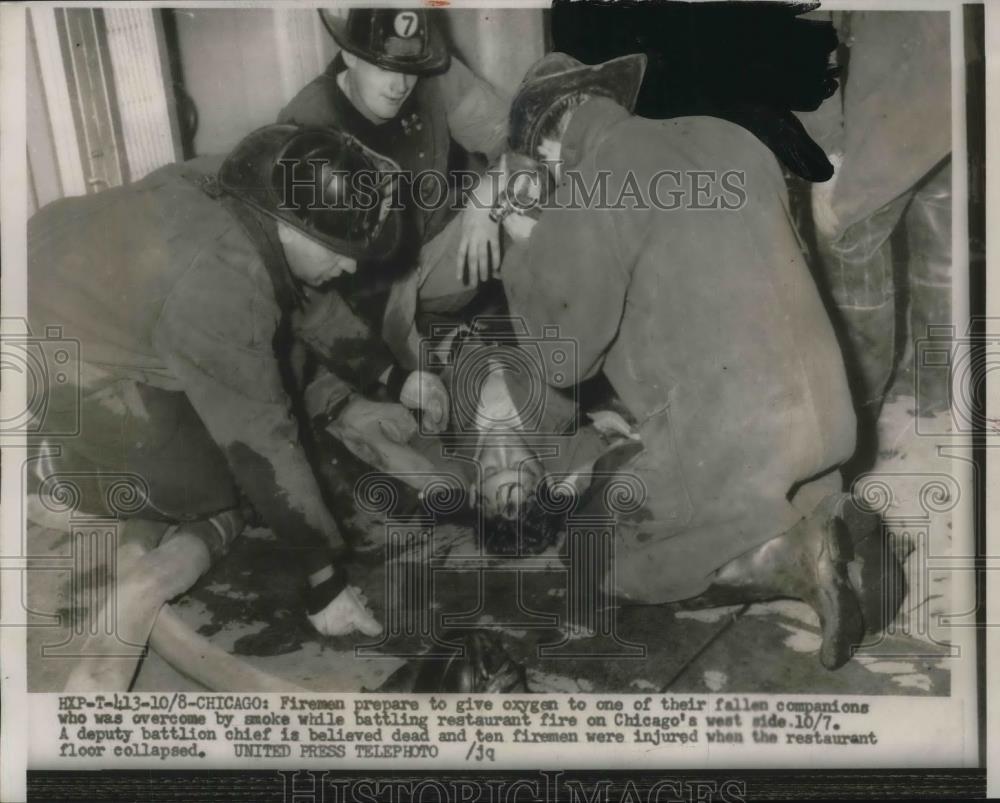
{"x":250,"y":604}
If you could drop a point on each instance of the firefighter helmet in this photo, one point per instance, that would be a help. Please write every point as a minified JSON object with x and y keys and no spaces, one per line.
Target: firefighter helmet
{"x":557,"y":76}
{"x":398,"y":39}
{"x":322,"y":182}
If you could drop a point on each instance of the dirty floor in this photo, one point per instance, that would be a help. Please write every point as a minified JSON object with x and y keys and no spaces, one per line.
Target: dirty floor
{"x":250,"y":604}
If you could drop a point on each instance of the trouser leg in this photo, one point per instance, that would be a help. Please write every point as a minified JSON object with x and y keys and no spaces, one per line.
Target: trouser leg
{"x":858,"y":269}
{"x":140,"y":452}
{"x":145,"y":580}
{"x":928,"y":230}
{"x":143,"y":457}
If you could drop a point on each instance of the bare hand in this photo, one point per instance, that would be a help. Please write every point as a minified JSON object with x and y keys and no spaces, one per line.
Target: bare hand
{"x":479,"y":246}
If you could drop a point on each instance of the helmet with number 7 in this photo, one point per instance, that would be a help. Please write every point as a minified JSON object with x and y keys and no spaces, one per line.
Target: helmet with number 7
{"x":402,"y":40}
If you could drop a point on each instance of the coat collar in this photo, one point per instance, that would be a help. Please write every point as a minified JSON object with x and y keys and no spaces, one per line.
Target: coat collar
{"x":587,"y":128}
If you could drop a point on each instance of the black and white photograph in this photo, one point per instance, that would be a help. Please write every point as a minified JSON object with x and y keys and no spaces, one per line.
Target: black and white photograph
{"x":587,"y":351}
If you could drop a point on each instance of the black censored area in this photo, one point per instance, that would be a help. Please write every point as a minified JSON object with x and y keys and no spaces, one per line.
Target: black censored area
{"x":750,"y":63}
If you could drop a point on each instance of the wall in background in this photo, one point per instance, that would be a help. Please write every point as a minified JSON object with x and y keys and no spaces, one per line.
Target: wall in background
{"x":99,"y":108}
{"x":100,"y":100}
{"x":240,"y":67}
{"x":499,"y":43}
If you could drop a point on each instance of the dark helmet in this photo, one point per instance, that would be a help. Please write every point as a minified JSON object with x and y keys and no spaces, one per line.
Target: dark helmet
{"x":397,"y":39}
{"x":274,"y":170}
{"x":558,"y":75}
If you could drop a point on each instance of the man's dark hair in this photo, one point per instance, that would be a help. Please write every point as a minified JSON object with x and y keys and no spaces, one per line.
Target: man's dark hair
{"x":539,"y":530}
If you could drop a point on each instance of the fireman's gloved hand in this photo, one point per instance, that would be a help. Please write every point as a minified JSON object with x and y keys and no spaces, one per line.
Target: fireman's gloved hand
{"x":345,"y":612}
{"x":425,"y":391}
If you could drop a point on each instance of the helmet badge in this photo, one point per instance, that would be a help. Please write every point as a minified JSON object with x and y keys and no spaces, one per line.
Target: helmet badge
{"x":406,"y":24}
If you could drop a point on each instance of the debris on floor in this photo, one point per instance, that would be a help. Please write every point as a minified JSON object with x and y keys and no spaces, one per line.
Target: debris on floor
{"x":251,"y":605}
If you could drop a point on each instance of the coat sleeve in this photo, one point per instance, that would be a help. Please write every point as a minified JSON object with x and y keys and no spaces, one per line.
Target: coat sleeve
{"x":570,"y":275}
{"x":312,"y":104}
{"x":342,"y":341}
{"x":476,"y":112}
{"x":215,"y":334}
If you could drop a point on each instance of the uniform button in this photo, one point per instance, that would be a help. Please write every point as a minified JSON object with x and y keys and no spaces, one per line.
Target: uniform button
{"x":421,"y":154}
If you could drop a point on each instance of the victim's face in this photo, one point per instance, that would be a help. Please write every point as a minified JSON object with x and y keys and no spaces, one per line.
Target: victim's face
{"x":549,"y":153}
{"x":510,"y":474}
{"x":311,"y":262}
{"x":378,"y":94}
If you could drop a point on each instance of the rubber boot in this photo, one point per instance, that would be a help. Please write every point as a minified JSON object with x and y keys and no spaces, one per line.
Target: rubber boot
{"x":836,"y":560}
{"x":808,"y":562}
{"x":875,"y":571}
